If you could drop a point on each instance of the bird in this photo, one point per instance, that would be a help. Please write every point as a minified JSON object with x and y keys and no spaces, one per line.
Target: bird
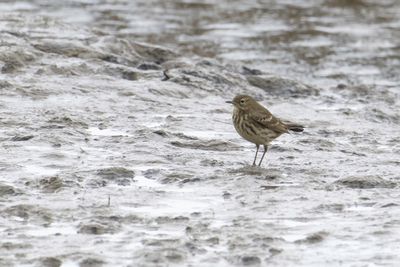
{"x":257,"y":125}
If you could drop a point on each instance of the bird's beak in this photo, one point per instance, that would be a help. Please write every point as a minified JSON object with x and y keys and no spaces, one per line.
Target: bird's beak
{"x":230,"y":102}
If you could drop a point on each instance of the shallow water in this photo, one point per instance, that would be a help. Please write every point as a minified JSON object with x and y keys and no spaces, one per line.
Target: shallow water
{"x":118,"y":148}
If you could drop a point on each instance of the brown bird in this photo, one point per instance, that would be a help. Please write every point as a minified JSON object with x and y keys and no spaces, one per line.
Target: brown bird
{"x":257,"y":125}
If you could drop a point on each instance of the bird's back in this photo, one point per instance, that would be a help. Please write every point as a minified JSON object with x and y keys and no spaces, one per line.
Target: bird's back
{"x":265,"y":119}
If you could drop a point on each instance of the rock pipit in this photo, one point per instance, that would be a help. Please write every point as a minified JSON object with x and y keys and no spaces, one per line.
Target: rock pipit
{"x":256,"y":124}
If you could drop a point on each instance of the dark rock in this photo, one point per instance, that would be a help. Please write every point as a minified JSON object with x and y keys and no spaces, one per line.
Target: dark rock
{"x":205,"y":79}
{"x":50,"y":262}
{"x":212,"y":162}
{"x":149,"y":66}
{"x":248,"y":71}
{"x":175,"y":177}
{"x":91,"y":262}
{"x":167,"y":219}
{"x":174,"y":256}
{"x":279,"y":86}
{"x":364,"y":93}
{"x":161,"y":133}
{"x":130,"y":75}
{"x":212,"y":240}
{"x":368,"y":181}
{"x":195,"y":249}
{"x":15,"y":246}
{"x":61,"y":122}
{"x":190,"y":180}
{"x":117,"y":50}
{"x":214,"y":78}
{"x":161,"y":242}
{"x":262,"y":173}
{"x":31,"y":213}
{"x":250,"y":260}
{"x":69,"y":49}
{"x":275,"y":251}
{"x":269,"y":187}
{"x":97,"y":229}
{"x":5,"y":84}
{"x":195,"y":214}
{"x":162,"y":256}
{"x":51,"y":184}
{"x":355,"y":90}
{"x":6,"y":190}
{"x":153,"y":53}
{"x":22,"y":138}
{"x":118,"y":175}
{"x":152,"y":173}
{"x":389,"y":205}
{"x":330,"y":207}
{"x":14,"y":59}
{"x":215,"y":145}
{"x":313,"y":238}
{"x":379,"y":116}
{"x":115,"y":172}
{"x":11,"y":66}
{"x":226,"y":195}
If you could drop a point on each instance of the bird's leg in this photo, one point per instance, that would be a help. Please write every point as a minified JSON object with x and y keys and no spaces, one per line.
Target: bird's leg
{"x":254,"y":162}
{"x":265,"y":151}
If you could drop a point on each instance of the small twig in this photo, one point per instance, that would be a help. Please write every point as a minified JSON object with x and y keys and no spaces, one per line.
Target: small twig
{"x":166,"y":76}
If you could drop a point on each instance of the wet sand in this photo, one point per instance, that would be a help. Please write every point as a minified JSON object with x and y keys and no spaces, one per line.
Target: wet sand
{"x":118,"y":147}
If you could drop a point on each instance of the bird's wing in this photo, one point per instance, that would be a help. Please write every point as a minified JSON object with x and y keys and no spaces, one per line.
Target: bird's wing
{"x":265,"y":119}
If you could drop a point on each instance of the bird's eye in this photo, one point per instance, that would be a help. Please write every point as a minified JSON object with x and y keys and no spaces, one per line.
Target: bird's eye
{"x":242,"y":101}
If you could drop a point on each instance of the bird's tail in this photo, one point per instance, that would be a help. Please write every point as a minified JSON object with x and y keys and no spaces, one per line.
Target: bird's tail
{"x":295,"y":127}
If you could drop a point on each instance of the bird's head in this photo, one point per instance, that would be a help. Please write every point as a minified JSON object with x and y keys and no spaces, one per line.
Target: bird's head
{"x":242,"y":102}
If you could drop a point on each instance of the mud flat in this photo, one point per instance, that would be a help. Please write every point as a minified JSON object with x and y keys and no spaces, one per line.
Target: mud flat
{"x":117,"y":147}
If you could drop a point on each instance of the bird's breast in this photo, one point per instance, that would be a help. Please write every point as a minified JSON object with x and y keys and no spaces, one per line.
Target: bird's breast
{"x":252,"y":132}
